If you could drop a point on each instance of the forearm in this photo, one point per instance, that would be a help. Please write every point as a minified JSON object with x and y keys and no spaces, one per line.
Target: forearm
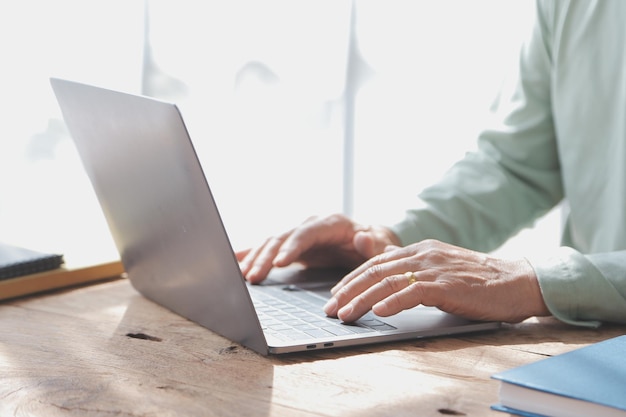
{"x":480,"y":203}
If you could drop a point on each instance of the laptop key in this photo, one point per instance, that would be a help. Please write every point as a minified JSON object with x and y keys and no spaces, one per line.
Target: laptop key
{"x":359,"y":329}
{"x":338,"y":330}
{"x":299,"y":314}
{"x":318,"y":333}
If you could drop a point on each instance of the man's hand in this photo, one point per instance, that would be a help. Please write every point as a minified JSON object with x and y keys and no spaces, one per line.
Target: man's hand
{"x":456,"y":280}
{"x":333,"y":241}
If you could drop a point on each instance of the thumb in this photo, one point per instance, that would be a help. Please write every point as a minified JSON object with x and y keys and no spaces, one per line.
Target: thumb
{"x":374,"y":241}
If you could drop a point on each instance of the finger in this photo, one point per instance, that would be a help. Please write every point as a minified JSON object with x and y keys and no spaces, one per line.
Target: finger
{"x":359,"y":284}
{"x":369,"y":242}
{"x":298,"y":242}
{"x":384,"y":257}
{"x":421,"y":292}
{"x":261,"y":260}
{"x":241,"y":254}
{"x":363,"y":303}
{"x":312,"y":233}
{"x":245,"y":263}
{"x":354,"y":274}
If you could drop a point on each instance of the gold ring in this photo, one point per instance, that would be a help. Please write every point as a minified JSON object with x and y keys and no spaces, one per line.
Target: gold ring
{"x":411,"y":277}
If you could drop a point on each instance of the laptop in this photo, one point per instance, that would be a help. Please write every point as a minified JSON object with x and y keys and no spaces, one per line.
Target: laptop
{"x":174,"y":247}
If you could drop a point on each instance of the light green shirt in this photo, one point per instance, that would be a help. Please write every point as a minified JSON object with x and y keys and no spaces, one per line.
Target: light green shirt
{"x":558,"y":133}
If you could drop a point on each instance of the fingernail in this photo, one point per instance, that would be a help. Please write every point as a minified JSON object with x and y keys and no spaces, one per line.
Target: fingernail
{"x":345,"y":312}
{"x":330,"y":308}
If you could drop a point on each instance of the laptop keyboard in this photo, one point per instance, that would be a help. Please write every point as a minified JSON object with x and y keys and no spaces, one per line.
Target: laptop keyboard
{"x":289,"y":313}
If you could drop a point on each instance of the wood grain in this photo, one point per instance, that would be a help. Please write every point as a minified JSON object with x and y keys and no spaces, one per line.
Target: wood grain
{"x":104,"y":350}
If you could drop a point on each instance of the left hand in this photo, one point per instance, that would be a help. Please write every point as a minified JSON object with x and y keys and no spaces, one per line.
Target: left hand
{"x":456,"y":280}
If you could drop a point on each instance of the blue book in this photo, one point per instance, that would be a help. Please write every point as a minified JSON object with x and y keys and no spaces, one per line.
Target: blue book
{"x":590,"y":381}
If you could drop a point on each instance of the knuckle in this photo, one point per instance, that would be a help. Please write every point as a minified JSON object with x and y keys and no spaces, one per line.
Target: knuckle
{"x":359,"y":302}
{"x":343,"y":295}
{"x":429,"y":242}
{"x":390,"y":284}
{"x":376,"y":272}
{"x":311,"y":219}
{"x":334,"y":218}
{"x":426,"y":295}
{"x":387,"y":283}
{"x":342,"y":292}
{"x":431,"y":250}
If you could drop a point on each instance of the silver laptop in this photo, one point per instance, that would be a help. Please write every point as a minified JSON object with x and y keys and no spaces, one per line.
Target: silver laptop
{"x":150,"y":184}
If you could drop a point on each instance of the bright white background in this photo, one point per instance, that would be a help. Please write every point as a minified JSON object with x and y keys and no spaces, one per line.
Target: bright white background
{"x":296,"y":107}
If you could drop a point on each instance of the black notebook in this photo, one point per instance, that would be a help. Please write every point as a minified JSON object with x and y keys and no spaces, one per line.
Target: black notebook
{"x":16,"y":261}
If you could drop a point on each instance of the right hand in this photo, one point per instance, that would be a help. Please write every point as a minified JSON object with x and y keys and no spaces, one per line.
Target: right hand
{"x":332,"y":241}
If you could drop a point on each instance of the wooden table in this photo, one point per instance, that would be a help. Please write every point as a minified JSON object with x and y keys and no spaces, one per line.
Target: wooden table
{"x":104,"y":350}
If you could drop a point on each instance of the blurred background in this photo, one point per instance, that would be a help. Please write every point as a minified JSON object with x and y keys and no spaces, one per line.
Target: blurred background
{"x":296,"y":108}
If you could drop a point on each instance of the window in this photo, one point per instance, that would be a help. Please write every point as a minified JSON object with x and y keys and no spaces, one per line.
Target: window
{"x":295,"y":108}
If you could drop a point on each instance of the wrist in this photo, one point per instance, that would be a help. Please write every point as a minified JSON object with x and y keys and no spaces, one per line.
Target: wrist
{"x":537,"y":304}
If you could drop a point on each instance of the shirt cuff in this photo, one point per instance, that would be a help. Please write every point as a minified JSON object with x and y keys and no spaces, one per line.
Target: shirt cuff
{"x":568,"y":283}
